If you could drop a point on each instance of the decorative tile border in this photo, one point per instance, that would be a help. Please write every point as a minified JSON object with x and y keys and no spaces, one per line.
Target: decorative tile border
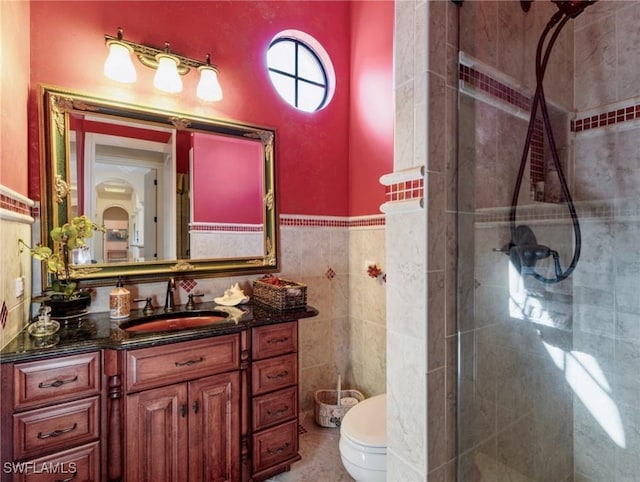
{"x":495,"y":87}
{"x":15,"y":206}
{"x":297,"y":220}
{"x":606,"y":118}
{"x":404,"y":190}
{"x":224,"y":227}
{"x":486,"y":81}
{"x":473,"y":73}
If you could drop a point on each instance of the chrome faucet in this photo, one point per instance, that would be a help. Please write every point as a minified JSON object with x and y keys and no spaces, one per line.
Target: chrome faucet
{"x":169,"y":302}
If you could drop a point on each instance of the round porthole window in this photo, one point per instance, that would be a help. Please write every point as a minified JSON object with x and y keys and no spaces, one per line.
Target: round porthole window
{"x":300,"y":70}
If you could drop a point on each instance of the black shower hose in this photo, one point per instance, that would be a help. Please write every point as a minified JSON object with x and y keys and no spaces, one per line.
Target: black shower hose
{"x":558,"y":20}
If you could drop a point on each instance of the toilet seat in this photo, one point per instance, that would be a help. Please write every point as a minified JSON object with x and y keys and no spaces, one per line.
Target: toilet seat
{"x":363,"y":440}
{"x":366,"y":423}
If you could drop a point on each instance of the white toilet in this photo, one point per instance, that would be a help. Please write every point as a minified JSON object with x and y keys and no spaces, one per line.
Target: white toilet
{"x":363,"y":440}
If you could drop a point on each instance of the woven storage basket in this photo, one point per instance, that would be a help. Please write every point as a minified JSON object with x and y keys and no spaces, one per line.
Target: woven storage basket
{"x":328,"y":412}
{"x":292,"y":296}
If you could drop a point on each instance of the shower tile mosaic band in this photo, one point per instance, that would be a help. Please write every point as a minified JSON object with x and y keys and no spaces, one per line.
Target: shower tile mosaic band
{"x":625,"y":111}
{"x":607,"y":118}
{"x":500,"y":90}
{"x":493,"y":86}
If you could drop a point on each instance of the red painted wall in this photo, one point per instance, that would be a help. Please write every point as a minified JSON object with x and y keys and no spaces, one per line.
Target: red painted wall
{"x":227,"y":177}
{"x":14,"y":91}
{"x":372,"y":110}
{"x":68,"y":50}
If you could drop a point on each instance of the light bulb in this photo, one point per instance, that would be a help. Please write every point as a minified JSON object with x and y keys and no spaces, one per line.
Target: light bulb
{"x":209,"y":88}
{"x":118,"y":65}
{"x":167,"y":77}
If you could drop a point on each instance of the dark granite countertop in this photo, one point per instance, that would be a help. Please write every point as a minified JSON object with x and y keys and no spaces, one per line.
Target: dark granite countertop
{"x":95,"y":331}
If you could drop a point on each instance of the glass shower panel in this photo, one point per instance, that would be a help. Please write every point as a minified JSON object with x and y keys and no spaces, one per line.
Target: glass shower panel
{"x":548,"y":372}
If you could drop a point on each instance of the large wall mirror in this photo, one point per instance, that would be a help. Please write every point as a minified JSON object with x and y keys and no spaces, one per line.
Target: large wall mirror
{"x":176,"y":193}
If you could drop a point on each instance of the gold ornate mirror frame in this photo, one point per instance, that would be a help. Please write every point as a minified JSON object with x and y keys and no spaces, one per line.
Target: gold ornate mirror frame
{"x":57,"y":105}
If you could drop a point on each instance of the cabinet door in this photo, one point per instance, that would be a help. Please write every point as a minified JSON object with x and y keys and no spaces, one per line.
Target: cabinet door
{"x":214,"y":428}
{"x":156,"y":444}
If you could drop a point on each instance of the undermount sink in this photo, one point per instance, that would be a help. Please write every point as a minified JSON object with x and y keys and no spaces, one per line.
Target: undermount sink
{"x":174,"y":321}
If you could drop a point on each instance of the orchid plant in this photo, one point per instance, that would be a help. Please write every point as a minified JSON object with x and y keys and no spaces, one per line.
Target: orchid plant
{"x":67,"y":237}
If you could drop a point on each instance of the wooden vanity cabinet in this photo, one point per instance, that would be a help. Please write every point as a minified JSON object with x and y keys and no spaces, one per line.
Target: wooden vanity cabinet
{"x":51,"y":417}
{"x":221,"y":408}
{"x":182,"y":411}
{"x":274,"y":399}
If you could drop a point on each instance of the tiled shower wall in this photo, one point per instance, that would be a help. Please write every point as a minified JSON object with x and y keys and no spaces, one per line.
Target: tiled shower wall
{"x":549,"y":379}
{"x":606,"y":304}
{"x":514,"y":410}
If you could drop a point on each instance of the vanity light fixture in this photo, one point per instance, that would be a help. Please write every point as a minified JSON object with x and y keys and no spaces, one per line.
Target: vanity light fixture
{"x":169,"y":66}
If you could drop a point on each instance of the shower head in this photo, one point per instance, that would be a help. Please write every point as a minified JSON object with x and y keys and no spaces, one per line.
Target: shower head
{"x":572,"y":8}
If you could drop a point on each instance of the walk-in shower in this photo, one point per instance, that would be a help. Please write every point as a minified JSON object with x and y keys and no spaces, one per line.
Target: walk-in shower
{"x":548,"y":335}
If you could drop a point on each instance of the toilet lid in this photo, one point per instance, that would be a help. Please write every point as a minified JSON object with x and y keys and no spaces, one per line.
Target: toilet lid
{"x":366,"y":423}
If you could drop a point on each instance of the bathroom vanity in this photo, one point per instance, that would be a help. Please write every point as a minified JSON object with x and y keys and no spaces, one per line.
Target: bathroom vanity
{"x":215,"y":402}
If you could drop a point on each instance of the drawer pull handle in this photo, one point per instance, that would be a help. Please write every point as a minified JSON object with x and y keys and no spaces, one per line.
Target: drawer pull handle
{"x":278,"y":412}
{"x":279,"y":450}
{"x":281,"y":374}
{"x":57,"y":433}
{"x":278,"y":340}
{"x":195,"y":406}
{"x":188,"y":363}
{"x":57,"y":383}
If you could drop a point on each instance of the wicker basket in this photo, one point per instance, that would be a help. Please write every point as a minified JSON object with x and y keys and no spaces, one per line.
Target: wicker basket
{"x":292,"y":296}
{"x":327,"y":411}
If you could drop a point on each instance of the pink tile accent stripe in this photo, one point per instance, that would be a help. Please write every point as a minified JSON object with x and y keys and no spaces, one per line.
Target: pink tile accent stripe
{"x":502,"y":91}
{"x":330,"y":222}
{"x":537,"y":164}
{"x":14,"y":205}
{"x":233,"y":228}
{"x":616,"y":116}
{"x":494,"y":87}
{"x":508,"y":94}
{"x":413,"y":189}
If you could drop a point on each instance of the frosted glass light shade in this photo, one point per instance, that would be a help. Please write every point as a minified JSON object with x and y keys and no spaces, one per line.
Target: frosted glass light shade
{"x":167,"y":77}
{"x":118,"y":65}
{"x":209,"y":88}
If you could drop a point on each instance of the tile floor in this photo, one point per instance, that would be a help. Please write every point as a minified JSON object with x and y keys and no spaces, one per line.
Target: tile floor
{"x":320,"y":455}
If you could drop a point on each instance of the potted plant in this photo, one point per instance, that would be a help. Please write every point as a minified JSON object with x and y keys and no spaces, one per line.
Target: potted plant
{"x":64,"y":297}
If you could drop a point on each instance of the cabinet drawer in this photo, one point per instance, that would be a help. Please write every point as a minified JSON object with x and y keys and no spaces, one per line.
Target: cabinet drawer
{"x":80,"y":464}
{"x":274,"y":373}
{"x":273,"y":340}
{"x":163,"y":365}
{"x":57,"y":427}
{"x":55,"y":380}
{"x":275,"y":408}
{"x":275,"y":445}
